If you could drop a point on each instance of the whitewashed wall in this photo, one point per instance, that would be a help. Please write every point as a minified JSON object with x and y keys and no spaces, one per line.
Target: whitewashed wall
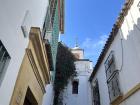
{"x":84,"y":70}
{"x":103,"y":89}
{"x":129,"y":75}
{"x":11,"y":17}
{"x":48,"y":97}
{"x":83,"y":66}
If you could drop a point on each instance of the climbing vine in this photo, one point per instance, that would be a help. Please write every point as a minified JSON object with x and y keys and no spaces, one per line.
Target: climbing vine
{"x":65,"y":69}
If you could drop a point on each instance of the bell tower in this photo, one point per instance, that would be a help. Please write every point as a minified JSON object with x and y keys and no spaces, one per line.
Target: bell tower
{"x":79,"y":86}
{"x":77,"y":51}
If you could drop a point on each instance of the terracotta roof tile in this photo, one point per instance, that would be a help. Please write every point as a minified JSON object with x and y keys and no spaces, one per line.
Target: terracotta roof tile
{"x":112,"y":35}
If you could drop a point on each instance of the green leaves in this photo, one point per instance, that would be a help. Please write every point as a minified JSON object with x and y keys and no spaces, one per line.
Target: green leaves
{"x":65,"y":69}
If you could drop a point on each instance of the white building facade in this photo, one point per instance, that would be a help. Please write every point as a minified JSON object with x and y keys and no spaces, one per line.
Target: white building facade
{"x":16,"y":19}
{"x":115,"y":79}
{"x":78,"y":89}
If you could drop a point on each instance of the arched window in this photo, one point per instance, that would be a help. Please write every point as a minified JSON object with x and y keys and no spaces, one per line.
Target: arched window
{"x":75,"y":87}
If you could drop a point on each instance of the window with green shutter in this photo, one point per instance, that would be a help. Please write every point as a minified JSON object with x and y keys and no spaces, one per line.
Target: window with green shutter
{"x":112,"y":75}
{"x":50,"y":30}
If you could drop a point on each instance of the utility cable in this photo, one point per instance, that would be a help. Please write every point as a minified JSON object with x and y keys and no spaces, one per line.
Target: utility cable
{"x":122,"y":50}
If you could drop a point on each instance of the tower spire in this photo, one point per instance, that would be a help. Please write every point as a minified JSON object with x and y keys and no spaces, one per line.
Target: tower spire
{"x":76,"y":41}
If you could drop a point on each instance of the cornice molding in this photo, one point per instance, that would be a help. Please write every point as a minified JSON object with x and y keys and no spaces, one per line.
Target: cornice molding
{"x":39,"y":47}
{"x":35,"y":69}
{"x":124,"y":97}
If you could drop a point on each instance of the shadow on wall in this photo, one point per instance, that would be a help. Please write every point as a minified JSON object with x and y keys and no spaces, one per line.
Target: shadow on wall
{"x":133,"y":34}
{"x":131,"y":43}
{"x":135,"y":30}
{"x":136,"y":26}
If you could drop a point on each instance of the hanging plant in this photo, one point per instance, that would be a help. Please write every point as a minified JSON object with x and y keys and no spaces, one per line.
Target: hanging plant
{"x":65,"y":69}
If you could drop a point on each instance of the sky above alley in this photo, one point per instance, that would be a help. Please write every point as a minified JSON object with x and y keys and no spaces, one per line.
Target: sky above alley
{"x":91,"y":22}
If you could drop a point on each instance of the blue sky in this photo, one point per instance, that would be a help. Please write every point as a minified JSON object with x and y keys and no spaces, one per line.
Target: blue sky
{"x":91,"y":21}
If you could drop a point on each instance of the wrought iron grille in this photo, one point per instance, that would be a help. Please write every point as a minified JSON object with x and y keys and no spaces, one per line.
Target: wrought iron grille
{"x":4,"y":60}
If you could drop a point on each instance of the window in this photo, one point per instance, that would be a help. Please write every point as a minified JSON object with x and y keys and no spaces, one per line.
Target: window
{"x":75,"y":87}
{"x":96,"y":95}
{"x":4,"y":60}
{"x":47,"y":26}
{"x":112,"y":76}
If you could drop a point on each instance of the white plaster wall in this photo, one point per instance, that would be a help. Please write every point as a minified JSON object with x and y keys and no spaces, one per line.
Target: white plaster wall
{"x":83,"y":96}
{"x":83,"y":66}
{"x":84,"y":89}
{"x":11,"y":16}
{"x":134,"y":100}
{"x":103,"y":89}
{"x":129,"y":74}
{"x":48,"y":97}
